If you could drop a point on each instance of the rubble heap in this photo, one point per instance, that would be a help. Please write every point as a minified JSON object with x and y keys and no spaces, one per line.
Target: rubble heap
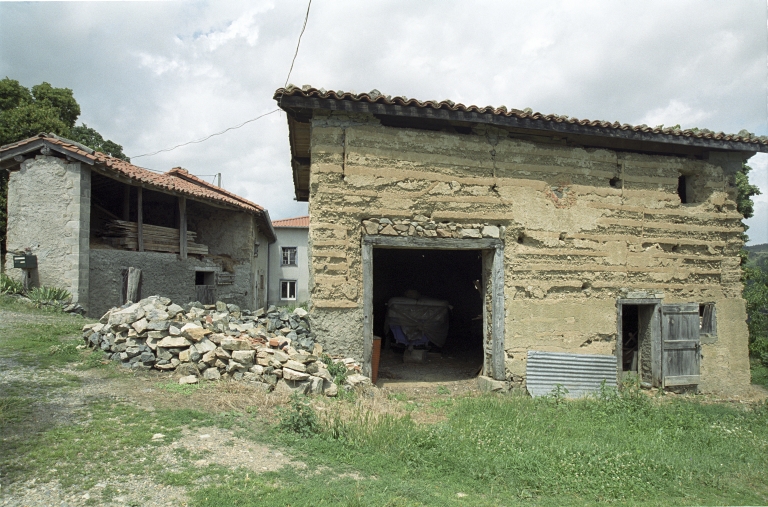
{"x":273,"y":349}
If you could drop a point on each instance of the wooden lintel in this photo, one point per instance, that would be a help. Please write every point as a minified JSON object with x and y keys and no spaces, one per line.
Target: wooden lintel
{"x":140,"y":220}
{"x":183,"y":227}
{"x":432,"y":243}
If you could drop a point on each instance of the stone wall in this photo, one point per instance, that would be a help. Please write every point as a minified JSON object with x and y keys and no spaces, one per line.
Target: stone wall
{"x":49,"y":213}
{"x":579,"y":225}
{"x":163,"y":274}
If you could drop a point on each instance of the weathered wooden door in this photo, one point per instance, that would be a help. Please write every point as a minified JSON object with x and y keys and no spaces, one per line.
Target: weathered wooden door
{"x":205,"y":294}
{"x":680,"y":354}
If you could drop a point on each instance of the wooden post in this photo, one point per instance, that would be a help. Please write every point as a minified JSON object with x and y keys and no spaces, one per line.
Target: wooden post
{"x":367,"y":307}
{"x":127,"y":203}
{"x":183,"y":227}
{"x":499,"y":372}
{"x":140,"y":220}
{"x":132,"y":292}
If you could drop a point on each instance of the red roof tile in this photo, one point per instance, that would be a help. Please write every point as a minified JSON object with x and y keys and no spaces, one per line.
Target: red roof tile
{"x":177,"y":180}
{"x":760,"y":143}
{"x":292,"y":222}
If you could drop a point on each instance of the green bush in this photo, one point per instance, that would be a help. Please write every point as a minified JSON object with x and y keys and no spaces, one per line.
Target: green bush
{"x":300,"y":417}
{"x":756,"y":295}
{"x":42,"y":296}
{"x":10,"y":286}
{"x":338,"y":370}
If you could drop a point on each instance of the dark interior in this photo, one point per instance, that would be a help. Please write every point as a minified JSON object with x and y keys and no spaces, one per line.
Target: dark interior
{"x":450,"y":275}
{"x":108,"y":197}
{"x":630,"y":330}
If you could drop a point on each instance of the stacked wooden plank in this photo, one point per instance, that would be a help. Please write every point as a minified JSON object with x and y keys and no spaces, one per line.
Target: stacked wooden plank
{"x":122,"y":234}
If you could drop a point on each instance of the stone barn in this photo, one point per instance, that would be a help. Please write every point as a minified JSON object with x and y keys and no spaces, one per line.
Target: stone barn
{"x":107,"y":230}
{"x":541,"y":233}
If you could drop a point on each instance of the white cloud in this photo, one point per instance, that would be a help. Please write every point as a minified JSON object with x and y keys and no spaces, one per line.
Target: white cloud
{"x":152,"y":75}
{"x":675,"y":113}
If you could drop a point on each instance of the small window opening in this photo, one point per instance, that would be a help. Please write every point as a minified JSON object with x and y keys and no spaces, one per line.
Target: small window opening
{"x":521,"y":238}
{"x":682,"y":189}
{"x":707,"y":319}
{"x":615,"y":182}
{"x":289,"y":256}
{"x":204,"y":278}
{"x":288,"y":289}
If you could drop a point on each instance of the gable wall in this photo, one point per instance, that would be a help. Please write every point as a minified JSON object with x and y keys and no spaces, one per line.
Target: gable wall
{"x":49,"y":203}
{"x":573,"y":243}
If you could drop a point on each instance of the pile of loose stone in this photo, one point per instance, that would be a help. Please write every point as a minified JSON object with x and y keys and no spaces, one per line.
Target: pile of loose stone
{"x":272,"y":349}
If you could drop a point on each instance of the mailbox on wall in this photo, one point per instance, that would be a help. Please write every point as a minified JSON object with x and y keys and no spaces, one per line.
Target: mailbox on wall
{"x":25,"y":261}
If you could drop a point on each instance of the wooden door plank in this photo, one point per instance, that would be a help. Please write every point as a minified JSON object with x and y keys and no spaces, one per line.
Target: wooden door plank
{"x":680,"y":344}
{"x":367,"y":255}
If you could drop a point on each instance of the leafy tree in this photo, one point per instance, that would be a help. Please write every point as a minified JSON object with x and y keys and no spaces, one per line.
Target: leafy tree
{"x":26,"y":113}
{"x":756,"y":295}
{"x":755,"y":277}
{"x":745,"y":192}
{"x":84,"y":134}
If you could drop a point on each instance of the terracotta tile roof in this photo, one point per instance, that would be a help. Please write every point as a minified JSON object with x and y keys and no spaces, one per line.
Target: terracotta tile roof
{"x":292,"y":222}
{"x":760,"y":143}
{"x":177,"y":180}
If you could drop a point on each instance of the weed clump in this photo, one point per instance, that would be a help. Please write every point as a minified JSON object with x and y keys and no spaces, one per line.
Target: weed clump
{"x":10,"y":286}
{"x":299,"y":417}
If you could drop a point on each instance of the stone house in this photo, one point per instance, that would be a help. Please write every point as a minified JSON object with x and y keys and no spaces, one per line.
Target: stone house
{"x":93,"y":221}
{"x":288,"y":279}
{"x":545,"y":233}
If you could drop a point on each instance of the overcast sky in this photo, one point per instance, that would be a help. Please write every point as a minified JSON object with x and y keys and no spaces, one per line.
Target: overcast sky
{"x":151,"y":75}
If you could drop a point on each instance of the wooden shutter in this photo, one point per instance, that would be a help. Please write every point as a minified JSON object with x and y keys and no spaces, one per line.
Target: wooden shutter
{"x":680,"y":344}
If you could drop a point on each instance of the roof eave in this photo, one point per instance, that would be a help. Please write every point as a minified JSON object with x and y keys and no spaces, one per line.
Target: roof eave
{"x":296,"y":103}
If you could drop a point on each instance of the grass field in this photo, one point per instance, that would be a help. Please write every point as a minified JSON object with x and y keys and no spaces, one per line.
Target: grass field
{"x":636,"y":448}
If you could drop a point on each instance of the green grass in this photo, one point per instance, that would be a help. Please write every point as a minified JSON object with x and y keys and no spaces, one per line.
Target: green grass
{"x":512,"y":450}
{"x":116,"y":440}
{"x":485,"y":451}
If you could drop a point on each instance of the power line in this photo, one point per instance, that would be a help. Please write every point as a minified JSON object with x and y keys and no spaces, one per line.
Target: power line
{"x":293,"y":61}
{"x":207,"y":137}
{"x":298,"y":44}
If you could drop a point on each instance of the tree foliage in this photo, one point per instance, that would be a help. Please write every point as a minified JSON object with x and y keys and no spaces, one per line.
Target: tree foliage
{"x":745,"y":192}
{"x":755,"y":276}
{"x":84,"y":134}
{"x":28,"y":112}
{"x":756,"y":295}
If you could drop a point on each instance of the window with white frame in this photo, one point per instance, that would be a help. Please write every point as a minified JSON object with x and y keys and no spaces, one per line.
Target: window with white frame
{"x":288,"y":289}
{"x":289,"y":256}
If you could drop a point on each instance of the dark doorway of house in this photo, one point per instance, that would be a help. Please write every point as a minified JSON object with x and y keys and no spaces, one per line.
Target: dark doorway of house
{"x":636,"y":340}
{"x":450,"y":275}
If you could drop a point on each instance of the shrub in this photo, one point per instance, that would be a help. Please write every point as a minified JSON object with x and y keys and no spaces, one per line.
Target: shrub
{"x":300,"y":417}
{"x":10,"y":286}
{"x":338,"y":370}
{"x":42,"y":296}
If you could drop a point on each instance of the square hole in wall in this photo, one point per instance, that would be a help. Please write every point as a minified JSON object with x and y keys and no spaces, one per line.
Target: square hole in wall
{"x":204,"y":278}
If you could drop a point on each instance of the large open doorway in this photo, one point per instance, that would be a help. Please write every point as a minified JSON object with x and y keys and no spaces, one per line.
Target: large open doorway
{"x":442,"y":290}
{"x":466,"y":276}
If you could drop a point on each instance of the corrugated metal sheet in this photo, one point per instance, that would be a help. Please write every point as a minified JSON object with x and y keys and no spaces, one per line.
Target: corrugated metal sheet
{"x":579,"y":373}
